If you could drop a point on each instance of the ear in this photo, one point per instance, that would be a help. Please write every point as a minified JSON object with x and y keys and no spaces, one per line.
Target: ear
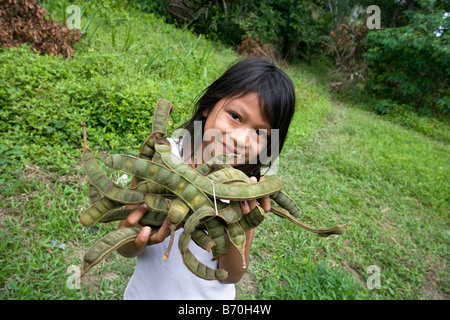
{"x":206,"y":113}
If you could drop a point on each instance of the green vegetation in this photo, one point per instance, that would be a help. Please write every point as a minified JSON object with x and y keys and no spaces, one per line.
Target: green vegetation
{"x":386,"y":176}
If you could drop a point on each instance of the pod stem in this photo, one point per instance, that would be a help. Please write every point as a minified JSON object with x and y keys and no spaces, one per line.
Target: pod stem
{"x":172,"y":237}
{"x":84,"y":136}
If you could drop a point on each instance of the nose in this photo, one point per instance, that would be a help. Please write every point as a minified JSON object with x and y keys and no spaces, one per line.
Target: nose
{"x":243,"y":138}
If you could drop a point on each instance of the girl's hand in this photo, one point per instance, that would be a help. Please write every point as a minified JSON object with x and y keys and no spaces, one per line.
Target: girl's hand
{"x":247,"y":206}
{"x":143,"y":239}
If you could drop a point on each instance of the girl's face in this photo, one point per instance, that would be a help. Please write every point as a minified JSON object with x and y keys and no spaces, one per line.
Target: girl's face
{"x":236,"y":126}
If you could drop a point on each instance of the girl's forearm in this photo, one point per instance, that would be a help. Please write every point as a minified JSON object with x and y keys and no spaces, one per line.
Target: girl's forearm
{"x":232,"y":261}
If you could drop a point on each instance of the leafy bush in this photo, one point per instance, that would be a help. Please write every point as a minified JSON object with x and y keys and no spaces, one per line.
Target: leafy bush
{"x":411,"y":64}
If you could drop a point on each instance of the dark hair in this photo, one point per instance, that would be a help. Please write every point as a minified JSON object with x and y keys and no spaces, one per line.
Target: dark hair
{"x":276,"y":95}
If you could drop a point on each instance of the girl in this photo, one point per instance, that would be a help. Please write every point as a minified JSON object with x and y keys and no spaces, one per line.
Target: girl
{"x":250,"y":103}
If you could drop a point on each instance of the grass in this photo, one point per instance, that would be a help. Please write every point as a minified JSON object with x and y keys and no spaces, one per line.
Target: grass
{"x":387,"y":177}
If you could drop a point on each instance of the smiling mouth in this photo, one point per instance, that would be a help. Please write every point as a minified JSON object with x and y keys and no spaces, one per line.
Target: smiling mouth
{"x":232,"y":151}
{"x":229,"y":150}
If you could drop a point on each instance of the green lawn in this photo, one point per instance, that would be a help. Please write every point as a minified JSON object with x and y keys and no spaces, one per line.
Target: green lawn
{"x":386,"y":178}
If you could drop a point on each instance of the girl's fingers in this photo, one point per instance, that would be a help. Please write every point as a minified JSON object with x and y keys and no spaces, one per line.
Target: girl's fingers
{"x":265,"y":202}
{"x":136,"y":215}
{"x":162,"y":233}
{"x":142,"y":238}
{"x":247,"y":206}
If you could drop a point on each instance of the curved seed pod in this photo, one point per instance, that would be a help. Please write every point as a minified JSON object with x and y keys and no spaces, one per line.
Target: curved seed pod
{"x":157,"y":202}
{"x":151,"y":217}
{"x":252,"y":219}
{"x":93,"y":194}
{"x":236,"y":235}
{"x":97,"y":210}
{"x":109,"y":243}
{"x":218,"y":162}
{"x":163,"y":109}
{"x":177,"y":212}
{"x":151,"y":187}
{"x":201,"y":270}
{"x":229,"y":176}
{"x":115,"y":215}
{"x":101,"y":181}
{"x":161,"y":114}
{"x":216,"y":231}
{"x":231,"y":213}
{"x":323,"y":232}
{"x":189,"y":259}
{"x":202,"y":239}
{"x":286,"y":202}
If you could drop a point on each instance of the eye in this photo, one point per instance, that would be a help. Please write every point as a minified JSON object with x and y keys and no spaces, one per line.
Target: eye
{"x":235,"y":116}
{"x":262,"y":132}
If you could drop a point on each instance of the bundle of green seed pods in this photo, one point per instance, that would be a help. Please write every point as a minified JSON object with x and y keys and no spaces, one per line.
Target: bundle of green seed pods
{"x":187,"y":196}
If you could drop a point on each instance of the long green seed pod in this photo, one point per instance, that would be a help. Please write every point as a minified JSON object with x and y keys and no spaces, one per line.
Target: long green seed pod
{"x":228,"y":176}
{"x":202,"y":239}
{"x":286,"y":202}
{"x":252,"y":219}
{"x":177,"y":212}
{"x":97,"y":210}
{"x":151,"y":217}
{"x":163,"y":109}
{"x":108,"y":244}
{"x":93,"y":194}
{"x":189,"y":259}
{"x":237,"y":237}
{"x":101,"y":181}
{"x":216,"y":231}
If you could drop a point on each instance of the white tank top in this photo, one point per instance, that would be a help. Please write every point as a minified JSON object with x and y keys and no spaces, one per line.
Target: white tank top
{"x":157,"y":279}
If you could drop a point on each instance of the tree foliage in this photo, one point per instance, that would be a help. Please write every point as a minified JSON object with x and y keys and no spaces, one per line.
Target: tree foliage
{"x":296,"y":28}
{"x":405,"y":63}
{"x":411,"y":64}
